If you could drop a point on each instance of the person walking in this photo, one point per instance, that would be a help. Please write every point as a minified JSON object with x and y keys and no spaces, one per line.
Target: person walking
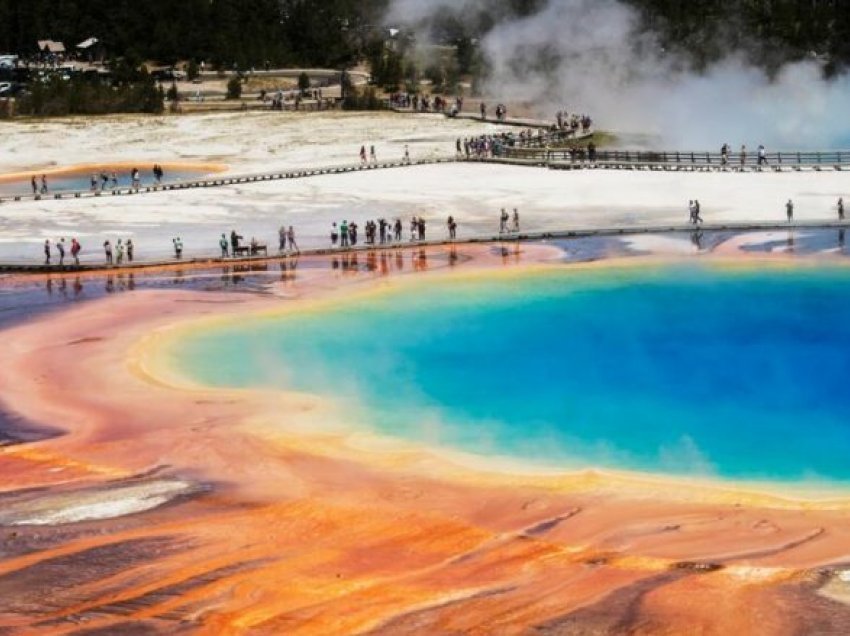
{"x":697,"y":208}
{"x":290,"y":237}
{"x":222,"y":243}
{"x":343,"y":234}
{"x":692,"y":217}
{"x":107,"y":252}
{"x":75,"y":251}
{"x":44,"y":184}
{"x":841,"y":209}
{"x":47,"y":251}
{"x":60,"y":248}
{"x":363,"y":155}
{"x":452,"y":228}
{"x":516,"y":220}
{"x":406,"y":154}
{"x":762,"y":156}
{"x":373,"y":157}
{"x":34,"y":185}
{"x":281,"y":239}
{"x":130,"y":247}
{"x":503,"y":221}
{"x":789,"y":210}
{"x":119,"y":253}
{"x":743,"y":156}
{"x":178,"y":248}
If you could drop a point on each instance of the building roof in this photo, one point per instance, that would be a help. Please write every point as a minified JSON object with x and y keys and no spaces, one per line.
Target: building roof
{"x":87,"y":44}
{"x":50,"y":46}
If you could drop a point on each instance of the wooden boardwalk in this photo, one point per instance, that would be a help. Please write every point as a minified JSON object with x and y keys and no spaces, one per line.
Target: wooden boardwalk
{"x":560,"y":159}
{"x":227,"y":180}
{"x":496,"y":239}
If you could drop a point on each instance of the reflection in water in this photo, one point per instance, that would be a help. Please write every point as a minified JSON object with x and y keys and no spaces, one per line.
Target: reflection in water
{"x":452,"y":256}
{"x":31,"y":296}
{"x":696,"y":239}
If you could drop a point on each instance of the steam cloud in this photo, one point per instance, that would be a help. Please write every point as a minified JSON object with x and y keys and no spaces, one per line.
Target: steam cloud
{"x":597,"y":61}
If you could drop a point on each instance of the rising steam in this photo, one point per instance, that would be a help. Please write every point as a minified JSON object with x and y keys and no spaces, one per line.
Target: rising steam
{"x":592,"y":56}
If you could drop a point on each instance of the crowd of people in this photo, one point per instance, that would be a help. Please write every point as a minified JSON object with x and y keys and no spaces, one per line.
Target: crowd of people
{"x":573,"y":122}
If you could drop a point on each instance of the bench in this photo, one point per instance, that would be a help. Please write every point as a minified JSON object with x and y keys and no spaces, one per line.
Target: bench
{"x":248,"y":250}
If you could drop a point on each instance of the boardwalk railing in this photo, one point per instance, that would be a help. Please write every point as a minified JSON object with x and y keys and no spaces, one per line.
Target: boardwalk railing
{"x":551,"y":158}
{"x":227,"y":180}
{"x":564,"y":158}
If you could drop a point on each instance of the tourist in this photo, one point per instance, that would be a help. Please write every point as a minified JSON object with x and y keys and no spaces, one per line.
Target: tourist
{"x":135,"y":180}
{"x":382,"y":230}
{"x":406,"y":154}
{"x":516,"y":220}
{"x":107,"y":251}
{"x":352,"y":233}
{"x":47,"y":251}
{"x":281,"y":239}
{"x":34,"y":185}
{"x":692,"y":216}
{"x":343,"y":234}
{"x":114,"y":180}
{"x":60,"y":247}
{"x":450,"y":223}
{"x":458,"y":147}
{"x":697,"y":217}
{"x":398,"y":229}
{"x":789,"y":210}
{"x":234,"y":242}
{"x":363,"y":155}
{"x":93,"y":182}
{"x":373,"y":157}
{"x":841,"y":209}
{"x":222,"y":243}
{"x":334,"y":234}
{"x":75,"y":251}
{"x":724,"y":154}
{"x":503,"y":221}
{"x":483,"y":108}
{"x":104,"y":181}
{"x":414,"y":228}
{"x":762,"y":156}
{"x":421,"y":228}
{"x":130,"y":247}
{"x":743,"y":156}
{"x":290,"y":237}
{"x":44,"y":184}
{"x":119,"y":253}
{"x":178,"y":248}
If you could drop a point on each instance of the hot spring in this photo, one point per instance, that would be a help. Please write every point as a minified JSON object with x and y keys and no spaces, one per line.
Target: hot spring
{"x":78,"y":178}
{"x":698,"y":370}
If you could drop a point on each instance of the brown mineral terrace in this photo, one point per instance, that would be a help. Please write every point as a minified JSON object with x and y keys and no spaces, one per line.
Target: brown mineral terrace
{"x":172,"y":508}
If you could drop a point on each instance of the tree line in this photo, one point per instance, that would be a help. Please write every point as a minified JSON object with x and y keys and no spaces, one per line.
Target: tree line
{"x":223,"y":33}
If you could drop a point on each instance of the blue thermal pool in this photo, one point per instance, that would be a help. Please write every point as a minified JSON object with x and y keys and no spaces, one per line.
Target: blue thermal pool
{"x":736,"y":374}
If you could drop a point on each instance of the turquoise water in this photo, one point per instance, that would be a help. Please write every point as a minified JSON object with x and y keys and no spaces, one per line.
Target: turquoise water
{"x":740,"y":375}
